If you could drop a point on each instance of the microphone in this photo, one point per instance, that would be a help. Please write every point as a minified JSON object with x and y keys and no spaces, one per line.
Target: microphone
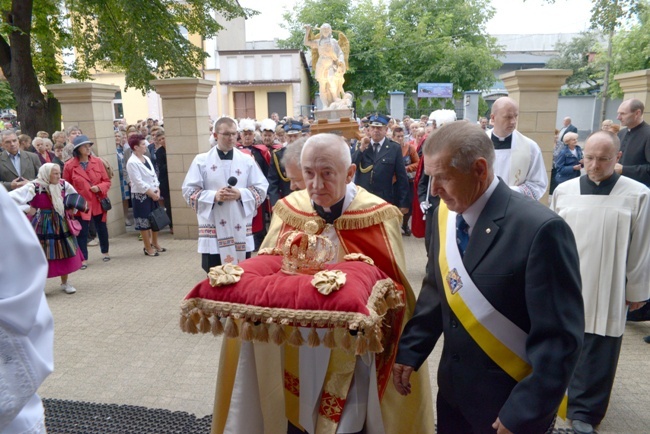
{"x":232,"y":181}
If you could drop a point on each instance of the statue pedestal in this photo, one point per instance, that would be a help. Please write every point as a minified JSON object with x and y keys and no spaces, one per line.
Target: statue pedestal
{"x":344,"y":126}
{"x":333,"y":114}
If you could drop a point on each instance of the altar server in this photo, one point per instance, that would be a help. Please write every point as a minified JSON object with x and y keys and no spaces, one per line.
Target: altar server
{"x":610,"y":219}
{"x":225,"y":187}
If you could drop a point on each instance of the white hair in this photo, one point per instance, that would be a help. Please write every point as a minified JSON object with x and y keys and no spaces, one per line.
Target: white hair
{"x":331,"y":141}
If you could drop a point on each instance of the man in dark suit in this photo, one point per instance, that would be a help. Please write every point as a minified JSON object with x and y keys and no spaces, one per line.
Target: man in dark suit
{"x":380,"y":167}
{"x":635,"y":163}
{"x":16,"y":168}
{"x":503,"y":285}
{"x":567,"y":128}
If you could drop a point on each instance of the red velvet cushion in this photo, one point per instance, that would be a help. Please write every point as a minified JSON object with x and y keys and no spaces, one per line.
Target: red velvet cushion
{"x":264,"y":285}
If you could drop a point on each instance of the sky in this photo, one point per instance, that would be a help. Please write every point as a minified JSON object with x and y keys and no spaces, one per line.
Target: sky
{"x":512,"y":17}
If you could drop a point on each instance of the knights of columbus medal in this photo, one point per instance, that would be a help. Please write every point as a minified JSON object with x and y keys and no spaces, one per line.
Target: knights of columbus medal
{"x":454,"y":282}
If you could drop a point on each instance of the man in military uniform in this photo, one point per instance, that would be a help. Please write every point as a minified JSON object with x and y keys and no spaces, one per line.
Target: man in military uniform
{"x":380,"y":167}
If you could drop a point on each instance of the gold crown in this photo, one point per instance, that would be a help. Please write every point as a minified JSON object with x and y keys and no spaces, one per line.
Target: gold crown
{"x":305,"y":252}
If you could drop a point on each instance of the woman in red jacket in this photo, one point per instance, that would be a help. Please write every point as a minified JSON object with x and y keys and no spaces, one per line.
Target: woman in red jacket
{"x":88,"y":176}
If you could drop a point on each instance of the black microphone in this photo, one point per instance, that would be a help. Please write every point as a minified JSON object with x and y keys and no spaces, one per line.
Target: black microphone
{"x":232,"y":181}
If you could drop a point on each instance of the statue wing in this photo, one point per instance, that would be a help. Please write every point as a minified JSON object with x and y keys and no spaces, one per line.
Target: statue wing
{"x":314,"y":51}
{"x":344,"y":44}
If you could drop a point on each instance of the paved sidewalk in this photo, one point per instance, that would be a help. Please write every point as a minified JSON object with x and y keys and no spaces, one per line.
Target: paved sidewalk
{"x":117,"y":340}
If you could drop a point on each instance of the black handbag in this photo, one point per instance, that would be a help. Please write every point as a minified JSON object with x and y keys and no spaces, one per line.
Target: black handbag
{"x":158,"y":219}
{"x":106,"y":204}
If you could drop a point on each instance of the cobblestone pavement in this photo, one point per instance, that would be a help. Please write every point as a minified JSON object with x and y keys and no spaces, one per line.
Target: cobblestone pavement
{"x":117,"y":340}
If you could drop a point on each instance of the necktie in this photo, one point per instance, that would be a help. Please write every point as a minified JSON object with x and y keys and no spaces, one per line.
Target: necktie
{"x":462,"y":234}
{"x":375,"y":147}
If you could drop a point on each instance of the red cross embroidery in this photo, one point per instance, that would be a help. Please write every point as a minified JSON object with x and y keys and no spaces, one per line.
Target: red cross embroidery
{"x":238,"y":227}
{"x":238,"y":172}
{"x":214,"y":167}
{"x":223,"y":222}
{"x":229,"y":259}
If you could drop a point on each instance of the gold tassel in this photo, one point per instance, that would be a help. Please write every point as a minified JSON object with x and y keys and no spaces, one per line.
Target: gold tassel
{"x":217,"y":327}
{"x":393,"y":299}
{"x":247,"y":331}
{"x":262,"y":334}
{"x":183,"y":323}
{"x":278,"y":336}
{"x":231,"y":329}
{"x":346,"y":342}
{"x":313,"y":340}
{"x":374,"y":338}
{"x":191,"y":325}
{"x":381,"y":307}
{"x":328,"y":340}
{"x":204,"y":324}
{"x":362,"y":344}
{"x":296,"y":338}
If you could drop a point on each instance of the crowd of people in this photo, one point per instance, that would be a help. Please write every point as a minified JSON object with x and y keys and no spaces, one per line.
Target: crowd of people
{"x":531,"y":300}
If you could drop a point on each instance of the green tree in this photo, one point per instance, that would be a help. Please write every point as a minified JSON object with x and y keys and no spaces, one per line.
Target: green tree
{"x":578,"y":56}
{"x":411,"y":108}
{"x":141,"y":38}
{"x":7,"y":99}
{"x":483,"y":107}
{"x":607,"y":16}
{"x":368,"y":107}
{"x":382,"y":106}
{"x":631,"y":49}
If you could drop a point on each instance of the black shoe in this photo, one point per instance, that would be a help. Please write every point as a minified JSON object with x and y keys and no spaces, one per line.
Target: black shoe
{"x":150,"y":254}
{"x":580,"y":427}
{"x":647,"y":339}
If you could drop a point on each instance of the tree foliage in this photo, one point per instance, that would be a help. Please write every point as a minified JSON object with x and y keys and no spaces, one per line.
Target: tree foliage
{"x":631,"y":48}
{"x":579,"y":55}
{"x":397,"y":44}
{"x":141,"y":38}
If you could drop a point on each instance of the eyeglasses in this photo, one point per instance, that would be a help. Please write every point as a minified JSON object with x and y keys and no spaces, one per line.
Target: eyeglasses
{"x":228,"y":134}
{"x":599,"y":159}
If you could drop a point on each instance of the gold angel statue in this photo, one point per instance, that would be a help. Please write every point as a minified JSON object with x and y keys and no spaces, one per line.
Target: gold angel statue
{"x":330,"y":62}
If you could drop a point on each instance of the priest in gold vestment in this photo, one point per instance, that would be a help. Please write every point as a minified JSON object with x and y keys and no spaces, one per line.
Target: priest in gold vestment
{"x":263,"y":388}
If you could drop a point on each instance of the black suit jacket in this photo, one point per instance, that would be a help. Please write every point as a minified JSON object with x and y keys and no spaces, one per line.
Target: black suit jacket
{"x":570,"y":129}
{"x":379,"y":181}
{"x":278,"y":187}
{"x":527,"y":267}
{"x":635,"y":145}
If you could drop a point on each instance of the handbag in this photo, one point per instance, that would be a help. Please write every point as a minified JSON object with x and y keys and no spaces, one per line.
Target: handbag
{"x":105,"y":203}
{"x":158,"y":219}
{"x":73,"y":225}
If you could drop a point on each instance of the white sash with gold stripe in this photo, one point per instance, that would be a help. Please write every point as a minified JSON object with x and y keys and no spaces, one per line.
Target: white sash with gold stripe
{"x":501,"y":339}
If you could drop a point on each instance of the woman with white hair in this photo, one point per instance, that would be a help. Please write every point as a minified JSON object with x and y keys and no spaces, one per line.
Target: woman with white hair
{"x":568,"y":162}
{"x":45,"y":200}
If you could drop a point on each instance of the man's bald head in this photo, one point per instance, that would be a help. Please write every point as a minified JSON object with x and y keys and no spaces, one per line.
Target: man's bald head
{"x":505,"y":113}
{"x":630,"y":112}
{"x":601,"y":154}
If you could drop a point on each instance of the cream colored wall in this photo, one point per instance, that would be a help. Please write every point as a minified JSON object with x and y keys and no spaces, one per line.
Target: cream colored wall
{"x":215,"y":105}
{"x":134,"y":103}
{"x":261,"y":99}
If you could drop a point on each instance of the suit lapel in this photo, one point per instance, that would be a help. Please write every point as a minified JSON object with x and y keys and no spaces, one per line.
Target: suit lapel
{"x":6,"y":161}
{"x":487,"y":227}
{"x":383,"y":150}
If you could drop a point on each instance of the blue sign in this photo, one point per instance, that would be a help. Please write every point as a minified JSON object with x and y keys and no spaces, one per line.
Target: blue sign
{"x":435,"y":90}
